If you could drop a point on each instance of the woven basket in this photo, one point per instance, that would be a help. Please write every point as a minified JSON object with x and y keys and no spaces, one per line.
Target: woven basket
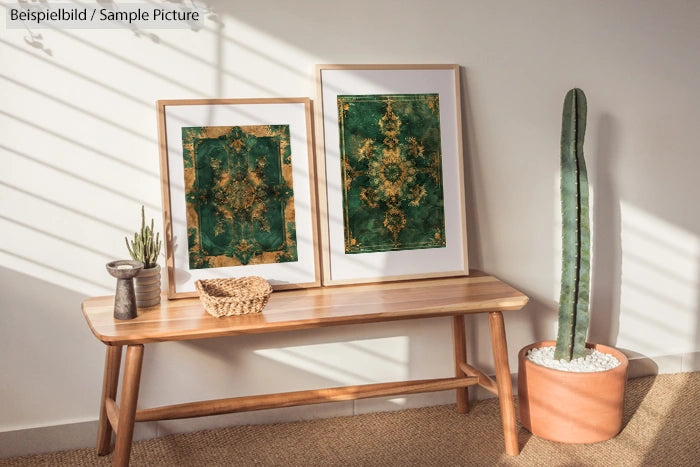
{"x":227,"y":297}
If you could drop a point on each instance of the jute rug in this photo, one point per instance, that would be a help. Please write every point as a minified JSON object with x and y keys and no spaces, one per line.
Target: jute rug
{"x":661,"y":428}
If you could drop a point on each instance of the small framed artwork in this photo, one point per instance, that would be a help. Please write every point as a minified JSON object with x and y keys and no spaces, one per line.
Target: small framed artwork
{"x":390,"y":172}
{"x":239,"y":194}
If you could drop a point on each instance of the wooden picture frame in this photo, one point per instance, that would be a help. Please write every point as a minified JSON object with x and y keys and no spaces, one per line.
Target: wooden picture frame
{"x":239,"y":194}
{"x":380,"y":209}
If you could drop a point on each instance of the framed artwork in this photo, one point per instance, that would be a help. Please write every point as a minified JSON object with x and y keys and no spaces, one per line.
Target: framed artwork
{"x":239,"y":195}
{"x":390,"y":172}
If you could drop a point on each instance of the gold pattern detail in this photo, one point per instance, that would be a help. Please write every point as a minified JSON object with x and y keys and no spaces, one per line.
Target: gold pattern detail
{"x":388,"y":172}
{"x":395,"y":221}
{"x":366,"y":151}
{"x":390,"y":125}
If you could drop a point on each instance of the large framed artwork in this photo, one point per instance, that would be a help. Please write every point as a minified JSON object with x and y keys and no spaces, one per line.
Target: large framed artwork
{"x":239,"y":195}
{"x":390,"y":172}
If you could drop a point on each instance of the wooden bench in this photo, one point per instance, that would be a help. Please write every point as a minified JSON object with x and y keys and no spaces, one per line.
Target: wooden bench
{"x":185,"y":319}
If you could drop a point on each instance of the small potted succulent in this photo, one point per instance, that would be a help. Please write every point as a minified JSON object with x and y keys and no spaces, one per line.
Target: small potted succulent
{"x":573,"y":391}
{"x":145,"y":247}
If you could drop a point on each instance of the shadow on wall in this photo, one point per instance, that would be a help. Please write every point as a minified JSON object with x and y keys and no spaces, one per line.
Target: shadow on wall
{"x":37,"y":320}
{"x":607,"y":233}
{"x":472,"y":171}
{"x":645,"y":296}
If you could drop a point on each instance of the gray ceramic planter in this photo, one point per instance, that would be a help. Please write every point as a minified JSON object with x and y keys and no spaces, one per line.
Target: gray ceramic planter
{"x":147,"y":287}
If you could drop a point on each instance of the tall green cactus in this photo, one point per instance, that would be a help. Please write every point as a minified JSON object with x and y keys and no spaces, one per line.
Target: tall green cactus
{"x":576,"y":234}
{"x":145,"y":247}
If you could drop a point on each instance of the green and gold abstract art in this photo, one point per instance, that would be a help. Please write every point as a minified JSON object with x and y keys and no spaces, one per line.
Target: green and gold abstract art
{"x":239,"y":195}
{"x":391,"y":162}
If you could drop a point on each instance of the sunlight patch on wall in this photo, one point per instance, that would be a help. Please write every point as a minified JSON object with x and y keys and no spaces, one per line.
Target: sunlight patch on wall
{"x":80,"y":149}
{"x":258,"y":64}
{"x":349,"y":363}
{"x":660,"y":296}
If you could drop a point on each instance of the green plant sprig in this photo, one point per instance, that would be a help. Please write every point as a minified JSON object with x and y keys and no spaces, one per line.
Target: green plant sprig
{"x":145,"y":247}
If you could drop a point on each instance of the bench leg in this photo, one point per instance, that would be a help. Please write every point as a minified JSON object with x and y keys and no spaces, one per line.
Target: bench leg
{"x":127,"y":409}
{"x":505,"y":390}
{"x":460,"y":351}
{"x":113,"y":361}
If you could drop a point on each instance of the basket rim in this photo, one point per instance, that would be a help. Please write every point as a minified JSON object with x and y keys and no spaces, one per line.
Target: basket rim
{"x":210,"y":288}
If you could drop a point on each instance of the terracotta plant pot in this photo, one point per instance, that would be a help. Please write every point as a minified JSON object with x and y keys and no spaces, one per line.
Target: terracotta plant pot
{"x":571,"y":407}
{"x":147,"y":287}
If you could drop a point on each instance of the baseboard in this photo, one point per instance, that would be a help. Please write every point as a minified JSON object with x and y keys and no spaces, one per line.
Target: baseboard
{"x":84,"y":434}
{"x":641,"y":365}
{"x":59,"y":438}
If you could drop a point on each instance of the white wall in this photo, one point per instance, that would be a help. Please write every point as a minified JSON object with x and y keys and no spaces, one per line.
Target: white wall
{"x":79,"y":157}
